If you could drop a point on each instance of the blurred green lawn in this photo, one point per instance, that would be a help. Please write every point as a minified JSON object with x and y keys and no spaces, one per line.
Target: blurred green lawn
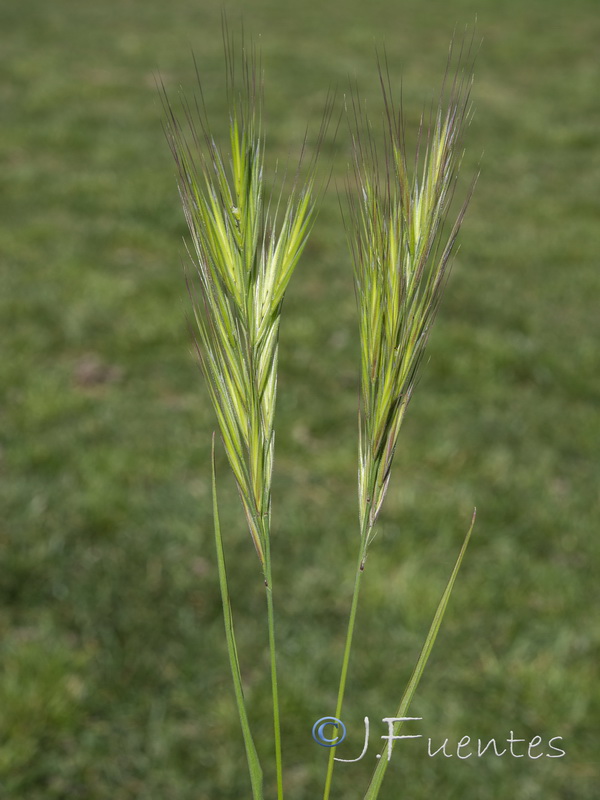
{"x":114,"y":681}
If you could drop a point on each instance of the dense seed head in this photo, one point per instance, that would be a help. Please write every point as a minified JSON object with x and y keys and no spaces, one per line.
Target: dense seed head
{"x":401,"y":257}
{"x":244,"y":256}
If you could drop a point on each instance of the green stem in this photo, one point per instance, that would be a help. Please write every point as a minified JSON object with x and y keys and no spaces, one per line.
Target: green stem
{"x":346,"y":660}
{"x":254,"y":767}
{"x":272,"y":651}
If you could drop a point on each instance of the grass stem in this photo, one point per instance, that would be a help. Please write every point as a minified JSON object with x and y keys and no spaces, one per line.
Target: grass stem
{"x":274,"y":686}
{"x":256,"y":776}
{"x":347,"y":649}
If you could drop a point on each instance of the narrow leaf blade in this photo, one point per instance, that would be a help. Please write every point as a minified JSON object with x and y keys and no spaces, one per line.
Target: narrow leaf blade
{"x":254,"y":767}
{"x":379,"y":773}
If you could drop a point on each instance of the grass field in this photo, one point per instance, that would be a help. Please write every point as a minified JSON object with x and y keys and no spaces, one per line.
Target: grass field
{"x":114,"y":681}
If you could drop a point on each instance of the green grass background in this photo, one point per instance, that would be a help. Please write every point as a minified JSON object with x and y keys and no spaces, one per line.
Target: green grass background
{"x":114,"y":681}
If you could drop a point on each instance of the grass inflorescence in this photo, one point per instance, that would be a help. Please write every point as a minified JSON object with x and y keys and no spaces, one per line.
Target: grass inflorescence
{"x":401,"y":255}
{"x":243,"y":266}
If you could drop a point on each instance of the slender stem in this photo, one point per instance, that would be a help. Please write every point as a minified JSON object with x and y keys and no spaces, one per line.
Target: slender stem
{"x":272,"y":651}
{"x":346,"y":660}
{"x":256,"y":777}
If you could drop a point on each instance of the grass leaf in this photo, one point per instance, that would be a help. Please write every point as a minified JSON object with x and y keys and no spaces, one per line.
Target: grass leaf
{"x":415,"y":678}
{"x":251,"y":754}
